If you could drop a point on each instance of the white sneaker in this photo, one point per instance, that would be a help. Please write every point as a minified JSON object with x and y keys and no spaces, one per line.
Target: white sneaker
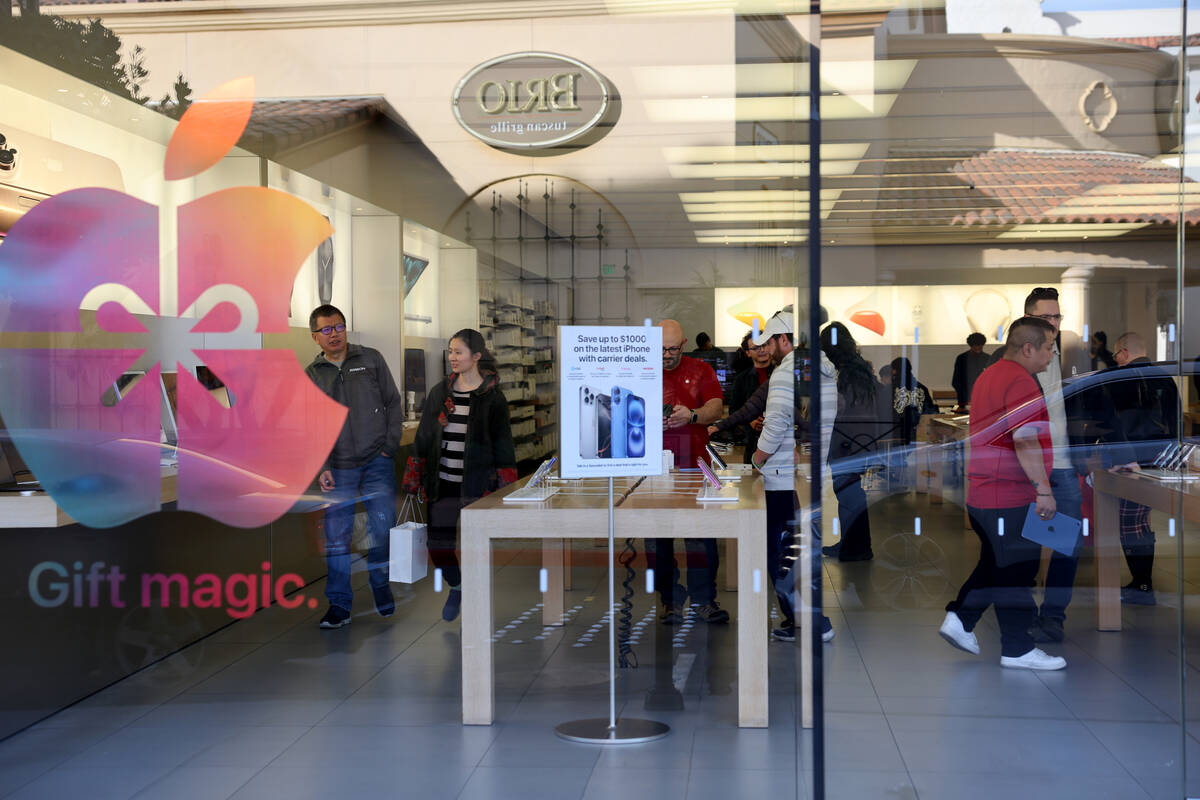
{"x":1034,"y":659}
{"x":952,"y":631}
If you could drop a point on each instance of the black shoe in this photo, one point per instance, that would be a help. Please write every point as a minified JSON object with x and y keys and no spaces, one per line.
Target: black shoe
{"x":385,"y":604}
{"x":712,"y":613}
{"x":784,"y":633}
{"x":1046,"y":629}
{"x":1141,"y":595}
{"x":453,"y":605}
{"x":835,"y":551}
{"x":335,"y":618}
{"x":671,"y":615}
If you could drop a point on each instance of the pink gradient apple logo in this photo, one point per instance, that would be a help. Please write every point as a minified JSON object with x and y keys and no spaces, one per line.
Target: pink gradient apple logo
{"x":239,"y":250}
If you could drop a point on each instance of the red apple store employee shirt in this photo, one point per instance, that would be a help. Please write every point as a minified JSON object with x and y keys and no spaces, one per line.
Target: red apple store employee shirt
{"x":693,"y":383}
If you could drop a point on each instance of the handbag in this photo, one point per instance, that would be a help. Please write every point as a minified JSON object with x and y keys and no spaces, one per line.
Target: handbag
{"x":408,"y":558}
{"x":413,"y":482}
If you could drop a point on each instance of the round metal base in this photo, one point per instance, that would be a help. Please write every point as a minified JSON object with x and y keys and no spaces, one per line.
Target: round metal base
{"x":628,"y":731}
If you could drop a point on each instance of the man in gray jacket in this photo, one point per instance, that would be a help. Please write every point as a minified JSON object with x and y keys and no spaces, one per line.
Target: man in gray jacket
{"x":360,"y":465}
{"x":776,"y":459}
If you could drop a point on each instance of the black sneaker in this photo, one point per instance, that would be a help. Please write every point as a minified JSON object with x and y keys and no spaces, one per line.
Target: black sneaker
{"x":1047,"y":629}
{"x":784,"y":633}
{"x":453,"y":605}
{"x":335,"y":617}
{"x":671,"y":615}
{"x":1138,"y":595}
{"x":827,"y":633}
{"x":712,"y":613}
{"x":385,"y":603}
{"x":835,"y":551}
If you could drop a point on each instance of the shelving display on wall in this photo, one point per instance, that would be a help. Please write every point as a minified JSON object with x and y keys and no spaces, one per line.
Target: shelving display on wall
{"x":520,"y":334}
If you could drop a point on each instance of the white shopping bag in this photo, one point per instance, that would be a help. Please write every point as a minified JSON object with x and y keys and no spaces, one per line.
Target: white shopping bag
{"x":408,"y":557}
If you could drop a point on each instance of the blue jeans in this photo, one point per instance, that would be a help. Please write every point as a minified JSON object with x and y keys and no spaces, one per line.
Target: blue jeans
{"x":375,"y":484}
{"x":1060,"y":576}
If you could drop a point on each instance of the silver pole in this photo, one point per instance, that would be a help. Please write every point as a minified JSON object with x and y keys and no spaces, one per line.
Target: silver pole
{"x":612,"y":618}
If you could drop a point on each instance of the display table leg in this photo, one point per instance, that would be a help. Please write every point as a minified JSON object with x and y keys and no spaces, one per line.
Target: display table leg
{"x":752,"y":624}
{"x":1107,"y":546}
{"x":731,"y":565}
{"x":554,"y":562}
{"x":479,"y":691}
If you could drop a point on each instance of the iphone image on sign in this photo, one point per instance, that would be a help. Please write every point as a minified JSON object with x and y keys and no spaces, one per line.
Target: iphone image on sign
{"x":620,"y":423}
{"x":603,"y":426}
{"x":587,"y":422}
{"x":635,"y":423}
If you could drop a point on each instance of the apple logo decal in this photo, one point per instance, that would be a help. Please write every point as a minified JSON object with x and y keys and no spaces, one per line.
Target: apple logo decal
{"x":239,"y":251}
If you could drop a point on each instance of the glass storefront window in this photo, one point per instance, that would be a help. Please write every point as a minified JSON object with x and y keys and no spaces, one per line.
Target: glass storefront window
{"x":408,"y":321}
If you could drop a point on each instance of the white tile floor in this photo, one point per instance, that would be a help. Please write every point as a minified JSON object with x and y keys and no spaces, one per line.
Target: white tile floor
{"x":272,"y":707}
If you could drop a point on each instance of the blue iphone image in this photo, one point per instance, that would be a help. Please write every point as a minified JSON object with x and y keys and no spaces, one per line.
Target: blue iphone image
{"x":635,"y":416}
{"x":620,"y":422}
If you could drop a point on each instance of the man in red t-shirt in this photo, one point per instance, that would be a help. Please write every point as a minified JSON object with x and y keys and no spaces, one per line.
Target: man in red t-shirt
{"x":692,"y":390}
{"x":1009,"y":468}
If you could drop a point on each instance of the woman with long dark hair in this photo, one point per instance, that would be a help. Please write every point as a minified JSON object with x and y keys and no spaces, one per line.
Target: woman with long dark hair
{"x":863,"y":416}
{"x":465,"y":439}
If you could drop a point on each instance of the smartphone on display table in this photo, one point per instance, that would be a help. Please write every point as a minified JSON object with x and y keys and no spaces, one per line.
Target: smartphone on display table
{"x":716,"y":457}
{"x":708,"y":474}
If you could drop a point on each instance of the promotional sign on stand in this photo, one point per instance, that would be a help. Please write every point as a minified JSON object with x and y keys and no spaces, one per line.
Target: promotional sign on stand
{"x":610,"y":399}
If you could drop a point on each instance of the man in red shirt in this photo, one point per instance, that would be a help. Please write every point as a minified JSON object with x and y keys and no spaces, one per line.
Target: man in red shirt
{"x":692,"y":390}
{"x":1009,"y":468}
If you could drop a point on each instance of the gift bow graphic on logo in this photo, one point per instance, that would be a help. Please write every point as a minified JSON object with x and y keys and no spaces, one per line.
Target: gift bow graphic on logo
{"x":239,"y":250}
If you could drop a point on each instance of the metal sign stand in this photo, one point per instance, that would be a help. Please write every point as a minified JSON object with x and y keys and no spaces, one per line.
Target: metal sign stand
{"x":598,"y":730}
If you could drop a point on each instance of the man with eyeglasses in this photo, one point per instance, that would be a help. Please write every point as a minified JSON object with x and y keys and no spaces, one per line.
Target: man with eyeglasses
{"x":1042,"y":303}
{"x":748,"y":399}
{"x":360,"y":465}
{"x":691,"y":389}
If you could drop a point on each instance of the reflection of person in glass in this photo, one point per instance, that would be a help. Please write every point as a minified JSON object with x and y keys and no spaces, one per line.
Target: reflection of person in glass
{"x":1009,"y":468}
{"x":691,"y":389}
{"x":360,"y":465}
{"x":465,"y":439}
{"x":864,"y":416}
{"x":325,"y":270}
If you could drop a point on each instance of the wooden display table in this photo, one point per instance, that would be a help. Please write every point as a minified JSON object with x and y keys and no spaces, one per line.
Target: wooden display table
{"x":660,"y":507}
{"x":1179,"y":499}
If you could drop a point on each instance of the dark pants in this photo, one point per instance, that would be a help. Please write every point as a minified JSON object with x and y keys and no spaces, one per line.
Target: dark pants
{"x":702,"y":562}
{"x":781,"y":515}
{"x":852,"y":515}
{"x":1060,"y":576}
{"x":1137,"y":540}
{"x":375,"y":484}
{"x":1002,"y":578}
{"x":443,"y":531}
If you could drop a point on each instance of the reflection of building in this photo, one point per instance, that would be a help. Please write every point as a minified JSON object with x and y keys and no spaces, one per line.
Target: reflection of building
{"x":944,"y":154}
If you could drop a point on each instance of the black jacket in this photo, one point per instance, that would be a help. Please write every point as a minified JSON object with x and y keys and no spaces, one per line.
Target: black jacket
{"x":747,"y":401}
{"x":489,"y":459}
{"x":375,"y":422}
{"x":963,"y":380}
{"x":1133,"y":410}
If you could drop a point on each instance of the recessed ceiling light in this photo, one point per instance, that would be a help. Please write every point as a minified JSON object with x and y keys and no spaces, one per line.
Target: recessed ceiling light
{"x":135,"y":119}
{"x":63,"y":91}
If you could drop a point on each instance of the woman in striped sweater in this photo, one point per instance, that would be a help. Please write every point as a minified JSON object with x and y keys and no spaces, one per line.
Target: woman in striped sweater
{"x":467,"y":444}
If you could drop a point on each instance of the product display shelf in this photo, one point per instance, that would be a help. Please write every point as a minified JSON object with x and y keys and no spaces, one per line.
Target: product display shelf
{"x":519,"y":331}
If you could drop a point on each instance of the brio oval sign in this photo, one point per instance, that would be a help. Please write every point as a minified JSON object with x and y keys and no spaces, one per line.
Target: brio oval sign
{"x":530,"y":102}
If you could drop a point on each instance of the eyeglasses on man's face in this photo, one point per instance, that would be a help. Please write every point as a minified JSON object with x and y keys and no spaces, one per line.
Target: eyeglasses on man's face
{"x":670,"y":351}
{"x":1049,"y":317}
{"x":329,"y":329}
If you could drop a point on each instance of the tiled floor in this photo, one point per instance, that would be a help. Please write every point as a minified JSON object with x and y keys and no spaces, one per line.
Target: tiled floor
{"x":272,"y":707}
